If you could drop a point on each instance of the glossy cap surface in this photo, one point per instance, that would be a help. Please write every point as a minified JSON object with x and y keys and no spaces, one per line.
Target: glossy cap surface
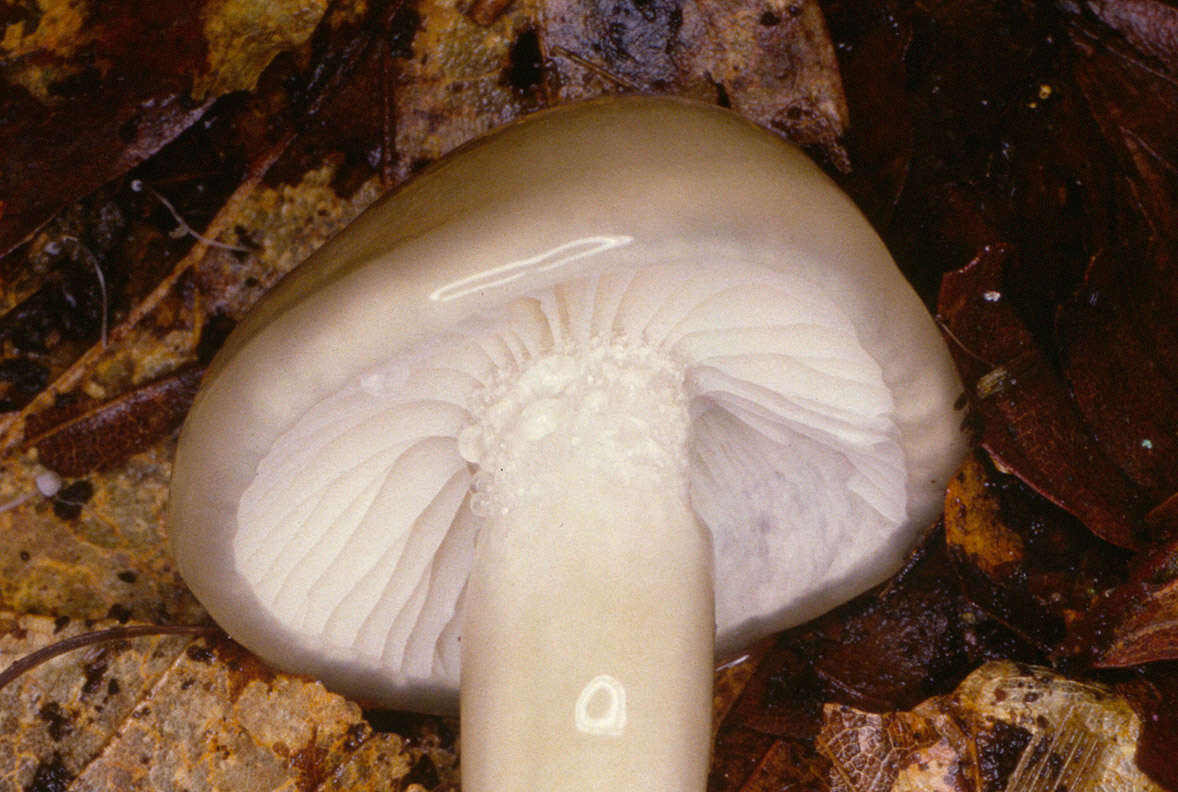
{"x":320,"y":506}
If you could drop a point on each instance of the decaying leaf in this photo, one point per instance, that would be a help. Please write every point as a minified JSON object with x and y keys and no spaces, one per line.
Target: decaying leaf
{"x":1007,"y":726}
{"x":1134,"y":623}
{"x":99,"y":437}
{"x":171,"y":713}
{"x":886,"y":651}
{"x":771,"y":61}
{"x":1029,"y":423}
{"x":88,"y":93}
{"x":94,"y":550}
{"x":1034,"y":138}
{"x":1035,"y":569}
{"x":878,"y":753}
{"x":58,"y":717}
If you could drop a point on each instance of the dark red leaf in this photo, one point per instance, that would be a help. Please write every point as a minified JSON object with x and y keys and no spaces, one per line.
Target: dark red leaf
{"x":1128,"y":400}
{"x":1033,"y":567}
{"x":871,"y":43}
{"x":1155,"y":697}
{"x":125,"y":94}
{"x":107,"y":434}
{"x":1030,"y":424}
{"x":1150,"y":26}
{"x":1132,"y":624}
{"x":1135,"y":622}
{"x":1135,"y":100}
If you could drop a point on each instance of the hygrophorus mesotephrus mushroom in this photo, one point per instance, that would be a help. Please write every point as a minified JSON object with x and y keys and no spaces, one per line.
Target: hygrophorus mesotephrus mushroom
{"x":614,"y":390}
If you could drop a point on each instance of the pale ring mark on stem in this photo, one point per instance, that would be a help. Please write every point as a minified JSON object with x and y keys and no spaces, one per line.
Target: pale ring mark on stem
{"x":589,"y":714}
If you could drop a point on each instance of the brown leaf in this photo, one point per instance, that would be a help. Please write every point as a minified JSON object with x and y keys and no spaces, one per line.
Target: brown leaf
{"x":1149,"y":25}
{"x":1155,"y":697}
{"x":1127,"y":398}
{"x":102,"y":556}
{"x":105,"y":435}
{"x":1117,"y":335}
{"x":1133,"y":623}
{"x":172,"y":713}
{"x":1032,"y":567}
{"x":1029,"y":422}
{"x":1147,"y":630}
{"x":111,"y":260}
{"x":878,"y":753}
{"x":872,"y":41}
{"x":88,"y":97}
{"x":58,"y":717}
{"x":884,"y":651}
{"x":1005,"y":727}
{"x":741,"y":46}
{"x":772,"y":765}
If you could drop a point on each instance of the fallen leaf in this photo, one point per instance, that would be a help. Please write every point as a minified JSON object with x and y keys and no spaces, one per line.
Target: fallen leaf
{"x":878,"y":753}
{"x":105,"y":435}
{"x":172,"y":713}
{"x":1007,"y":726}
{"x":107,"y":559}
{"x":872,"y":41}
{"x":1035,"y":569}
{"x":1132,"y":623}
{"x":1117,"y":335}
{"x":88,"y":96}
{"x":887,"y":650}
{"x":1030,"y":424}
{"x":57,"y":718}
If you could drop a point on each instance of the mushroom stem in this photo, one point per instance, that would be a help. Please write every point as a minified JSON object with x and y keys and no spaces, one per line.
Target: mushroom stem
{"x":587,"y":641}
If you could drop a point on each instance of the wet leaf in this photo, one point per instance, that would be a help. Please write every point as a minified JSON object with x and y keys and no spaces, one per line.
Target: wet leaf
{"x":888,"y":650}
{"x":1007,"y":726}
{"x":1134,"y":622}
{"x":460,"y":78}
{"x":1030,"y":424}
{"x":1033,"y":568}
{"x":872,"y":41}
{"x":102,"y":436}
{"x":102,"y":556}
{"x":1119,"y":384}
{"x":176,"y":713}
{"x":1118,"y":334}
{"x":88,"y":94}
{"x":878,"y":753}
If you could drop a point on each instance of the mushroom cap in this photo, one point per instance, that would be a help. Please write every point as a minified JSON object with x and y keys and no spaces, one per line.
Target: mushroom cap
{"x":320,"y":509}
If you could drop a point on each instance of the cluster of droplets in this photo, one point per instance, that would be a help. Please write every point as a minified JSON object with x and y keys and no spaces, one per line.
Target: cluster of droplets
{"x":607,"y":407}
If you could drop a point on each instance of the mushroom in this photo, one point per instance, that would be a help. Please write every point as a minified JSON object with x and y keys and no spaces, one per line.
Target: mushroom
{"x":611,"y":392}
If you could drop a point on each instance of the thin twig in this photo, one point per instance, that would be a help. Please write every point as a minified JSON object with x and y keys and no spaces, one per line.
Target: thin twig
{"x":30,"y":661}
{"x":589,"y":65}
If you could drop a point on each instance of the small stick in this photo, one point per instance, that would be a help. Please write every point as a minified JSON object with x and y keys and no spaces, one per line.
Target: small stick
{"x":30,"y":661}
{"x":589,"y":65}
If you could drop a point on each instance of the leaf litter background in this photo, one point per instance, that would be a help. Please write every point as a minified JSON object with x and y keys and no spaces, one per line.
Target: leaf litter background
{"x":162,"y":165}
